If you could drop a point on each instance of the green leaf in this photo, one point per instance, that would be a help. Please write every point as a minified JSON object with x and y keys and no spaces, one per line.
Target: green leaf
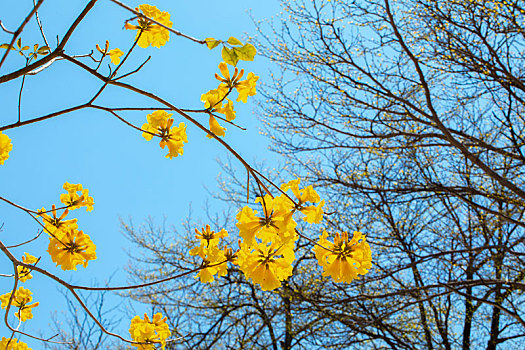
{"x":230,"y":56}
{"x":25,"y":48}
{"x":246,"y":53}
{"x":212,"y":43}
{"x":19,"y":42}
{"x":234,"y":41}
{"x":35,"y":47}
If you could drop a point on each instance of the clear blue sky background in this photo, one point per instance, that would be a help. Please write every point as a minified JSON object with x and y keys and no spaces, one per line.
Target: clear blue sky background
{"x":127,"y":176}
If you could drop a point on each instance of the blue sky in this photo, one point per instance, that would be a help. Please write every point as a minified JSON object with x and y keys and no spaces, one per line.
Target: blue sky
{"x":127,"y":176}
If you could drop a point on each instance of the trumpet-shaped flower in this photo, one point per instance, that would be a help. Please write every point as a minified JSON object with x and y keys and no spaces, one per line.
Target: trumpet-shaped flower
{"x":215,"y":128}
{"x":267,"y":264}
{"x":71,"y":249}
{"x":227,"y":110}
{"x":344,"y":260}
{"x":149,"y":332}
{"x":24,"y":273}
{"x":13,"y":344}
{"x":148,"y":32}
{"x":209,"y":237}
{"x":21,"y":301}
{"x":5,"y":147}
{"x":114,"y":55}
{"x":314,"y":214}
{"x":277,"y":225}
{"x":213,"y":262}
{"x":307,"y":194}
{"x":56,"y":225}
{"x":73,"y":200}
{"x":225,"y":78}
{"x":160,"y":124}
{"x":213,"y":99}
{"x":246,"y":87}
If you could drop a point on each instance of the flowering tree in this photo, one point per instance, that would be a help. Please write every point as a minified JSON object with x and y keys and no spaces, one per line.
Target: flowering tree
{"x":267,"y":236}
{"x":408,"y":117}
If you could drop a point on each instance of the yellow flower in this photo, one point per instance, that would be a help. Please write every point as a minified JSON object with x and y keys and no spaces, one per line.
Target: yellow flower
{"x":54,"y":225}
{"x":267,"y":264}
{"x":213,"y":98}
{"x":307,"y":194}
{"x":72,"y":249}
{"x":156,"y":122}
{"x":215,"y":128}
{"x":314,"y":214}
{"x":115,"y":55}
{"x":5,"y":147}
{"x":24,"y":273}
{"x":159,"y":123}
{"x":14,"y":344}
{"x":151,"y":33}
{"x":246,"y":87}
{"x":208,"y":237}
{"x":151,"y":332}
{"x":346,"y":260}
{"x":225,"y":78}
{"x":277,"y":225}
{"x":21,"y":301}
{"x":73,"y":201}
{"x":227,"y":110}
{"x":211,"y":255}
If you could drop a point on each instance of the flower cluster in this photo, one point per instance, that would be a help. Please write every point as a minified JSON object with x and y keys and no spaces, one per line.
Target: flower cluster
{"x":213,"y":258}
{"x":71,"y":248}
{"x":21,"y":300}
{"x":267,"y":244}
{"x":217,"y":100}
{"x":267,"y":264}
{"x":13,"y":344}
{"x":160,"y":124}
{"x":73,"y":200}
{"x":148,"y":32}
{"x":149,"y":332}
{"x":68,"y":246}
{"x":344,"y":260}
{"x":54,"y":223}
{"x":24,"y":273}
{"x":5,"y":147}
{"x":267,"y":251}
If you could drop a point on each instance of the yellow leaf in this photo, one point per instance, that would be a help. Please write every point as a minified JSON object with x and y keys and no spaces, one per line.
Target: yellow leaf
{"x":230,"y":56}
{"x":234,"y":41}
{"x":212,"y":43}
{"x":246,"y":53}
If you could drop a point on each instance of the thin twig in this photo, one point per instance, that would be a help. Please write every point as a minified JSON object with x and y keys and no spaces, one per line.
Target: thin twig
{"x":138,"y":14}
{"x":5,"y":29}
{"x":26,"y":242}
{"x":134,"y":71}
{"x":225,"y":120}
{"x":40,"y":25}
{"x":20,"y":98}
